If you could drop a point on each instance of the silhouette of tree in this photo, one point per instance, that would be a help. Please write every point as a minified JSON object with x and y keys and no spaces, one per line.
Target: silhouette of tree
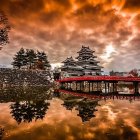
{"x":27,"y":111}
{"x":4,"y":29}
{"x":134,"y":73}
{"x":20,"y":59}
{"x":42,"y":60}
{"x":86,"y":109}
{"x":31,"y":58}
{"x":69,"y":104}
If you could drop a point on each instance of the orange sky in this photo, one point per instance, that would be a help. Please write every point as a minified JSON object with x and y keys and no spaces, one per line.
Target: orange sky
{"x":60,"y":27}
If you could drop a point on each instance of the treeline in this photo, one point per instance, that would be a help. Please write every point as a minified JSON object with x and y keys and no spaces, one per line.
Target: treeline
{"x":29,"y":59}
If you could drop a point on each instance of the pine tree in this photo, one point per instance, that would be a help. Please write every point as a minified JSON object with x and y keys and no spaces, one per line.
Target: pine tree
{"x":43,"y":62}
{"x":19,"y":59}
{"x":31,"y":58}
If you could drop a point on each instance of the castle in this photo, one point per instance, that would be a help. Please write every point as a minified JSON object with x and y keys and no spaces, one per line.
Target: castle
{"x":85,"y":64}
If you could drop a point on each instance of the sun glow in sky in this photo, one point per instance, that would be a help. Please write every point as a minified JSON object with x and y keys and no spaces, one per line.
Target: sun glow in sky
{"x":61,"y":27}
{"x":109,"y":50}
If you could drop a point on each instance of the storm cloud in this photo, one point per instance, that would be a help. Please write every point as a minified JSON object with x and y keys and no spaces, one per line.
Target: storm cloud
{"x":60,"y":27}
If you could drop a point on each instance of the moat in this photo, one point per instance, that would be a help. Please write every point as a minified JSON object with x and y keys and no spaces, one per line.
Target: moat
{"x":42,"y":113}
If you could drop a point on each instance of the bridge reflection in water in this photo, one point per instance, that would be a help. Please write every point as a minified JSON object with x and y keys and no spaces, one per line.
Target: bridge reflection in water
{"x":40,"y":105}
{"x":86,"y":103}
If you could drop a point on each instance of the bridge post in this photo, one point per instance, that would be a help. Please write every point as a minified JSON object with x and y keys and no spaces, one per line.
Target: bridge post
{"x":136,"y":87}
{"x":80,"y":86}
{"x":108,"y":84}
{"x":105,"y":86}
{"x":92,"y":85}
{"x":89,"y":86}
{"x":113,"y":87}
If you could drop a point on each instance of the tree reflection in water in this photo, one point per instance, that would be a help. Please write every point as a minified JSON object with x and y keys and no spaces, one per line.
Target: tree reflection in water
{"x":28,"y":110}
{"x":30,"y":103}
{"x":85,"y":107}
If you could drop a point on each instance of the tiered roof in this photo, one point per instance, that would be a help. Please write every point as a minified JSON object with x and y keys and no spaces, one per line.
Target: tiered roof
{"x":86,"y":62}
{"x":69,"y":60}
{"x":70,"y":63}
{"x":85,"y":50}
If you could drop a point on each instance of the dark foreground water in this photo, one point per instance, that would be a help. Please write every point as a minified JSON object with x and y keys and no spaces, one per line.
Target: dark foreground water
{"x":41,"y":114}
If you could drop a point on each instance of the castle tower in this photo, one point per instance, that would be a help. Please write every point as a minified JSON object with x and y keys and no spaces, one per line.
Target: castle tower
{"x":85,"y":64}
{"x":87,"y":60}
{"x":70,"y":68}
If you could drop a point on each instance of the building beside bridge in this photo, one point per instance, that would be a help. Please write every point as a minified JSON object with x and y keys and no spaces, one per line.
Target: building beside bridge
{"x":85,"y":64}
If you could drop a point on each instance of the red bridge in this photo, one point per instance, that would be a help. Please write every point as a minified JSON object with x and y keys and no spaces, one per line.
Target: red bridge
{"x":66,"y":83}
{"x":100,"y":78}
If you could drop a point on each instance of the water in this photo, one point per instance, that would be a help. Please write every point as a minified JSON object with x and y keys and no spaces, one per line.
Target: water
{"x":41,"y":114}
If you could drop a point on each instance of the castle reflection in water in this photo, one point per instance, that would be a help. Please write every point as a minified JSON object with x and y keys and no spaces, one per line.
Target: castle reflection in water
{"x":27,"y":104}
{"x":32,"y":104}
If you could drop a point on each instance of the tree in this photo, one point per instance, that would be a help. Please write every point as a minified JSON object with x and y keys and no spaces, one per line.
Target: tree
{"x":31,"y":58}
{"x":20,"y":59}
{"x":42,"y":62}
{"x":133,"y":73}
{"x":4,"y":29}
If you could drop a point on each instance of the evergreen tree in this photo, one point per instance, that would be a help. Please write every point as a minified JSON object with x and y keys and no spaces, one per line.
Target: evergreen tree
{"x":19,"y":59}
{"x":31,"y":58}
{"x":43,"y":62}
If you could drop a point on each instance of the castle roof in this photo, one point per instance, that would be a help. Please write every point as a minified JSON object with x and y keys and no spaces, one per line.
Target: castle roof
{"x":85,"y":50}
{"x":72,"y":67}
{"x":92,"y":67}
{"x":69,"y":60}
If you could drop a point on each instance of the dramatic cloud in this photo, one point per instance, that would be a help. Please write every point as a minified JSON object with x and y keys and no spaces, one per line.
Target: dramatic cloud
{"x":60,"y":27}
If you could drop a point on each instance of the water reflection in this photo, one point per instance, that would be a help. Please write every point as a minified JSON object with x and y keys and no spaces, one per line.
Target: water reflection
{"x":28,"y":110}
{"x":85,"y":107}
{"x":41,"y":113}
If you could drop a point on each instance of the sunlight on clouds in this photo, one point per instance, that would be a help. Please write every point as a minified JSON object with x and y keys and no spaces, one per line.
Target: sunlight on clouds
{"x":60,"y":27}
{"x":109,"y":50}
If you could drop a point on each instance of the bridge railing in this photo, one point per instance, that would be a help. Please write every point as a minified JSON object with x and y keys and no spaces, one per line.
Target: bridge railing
{"x":100,"y":78}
